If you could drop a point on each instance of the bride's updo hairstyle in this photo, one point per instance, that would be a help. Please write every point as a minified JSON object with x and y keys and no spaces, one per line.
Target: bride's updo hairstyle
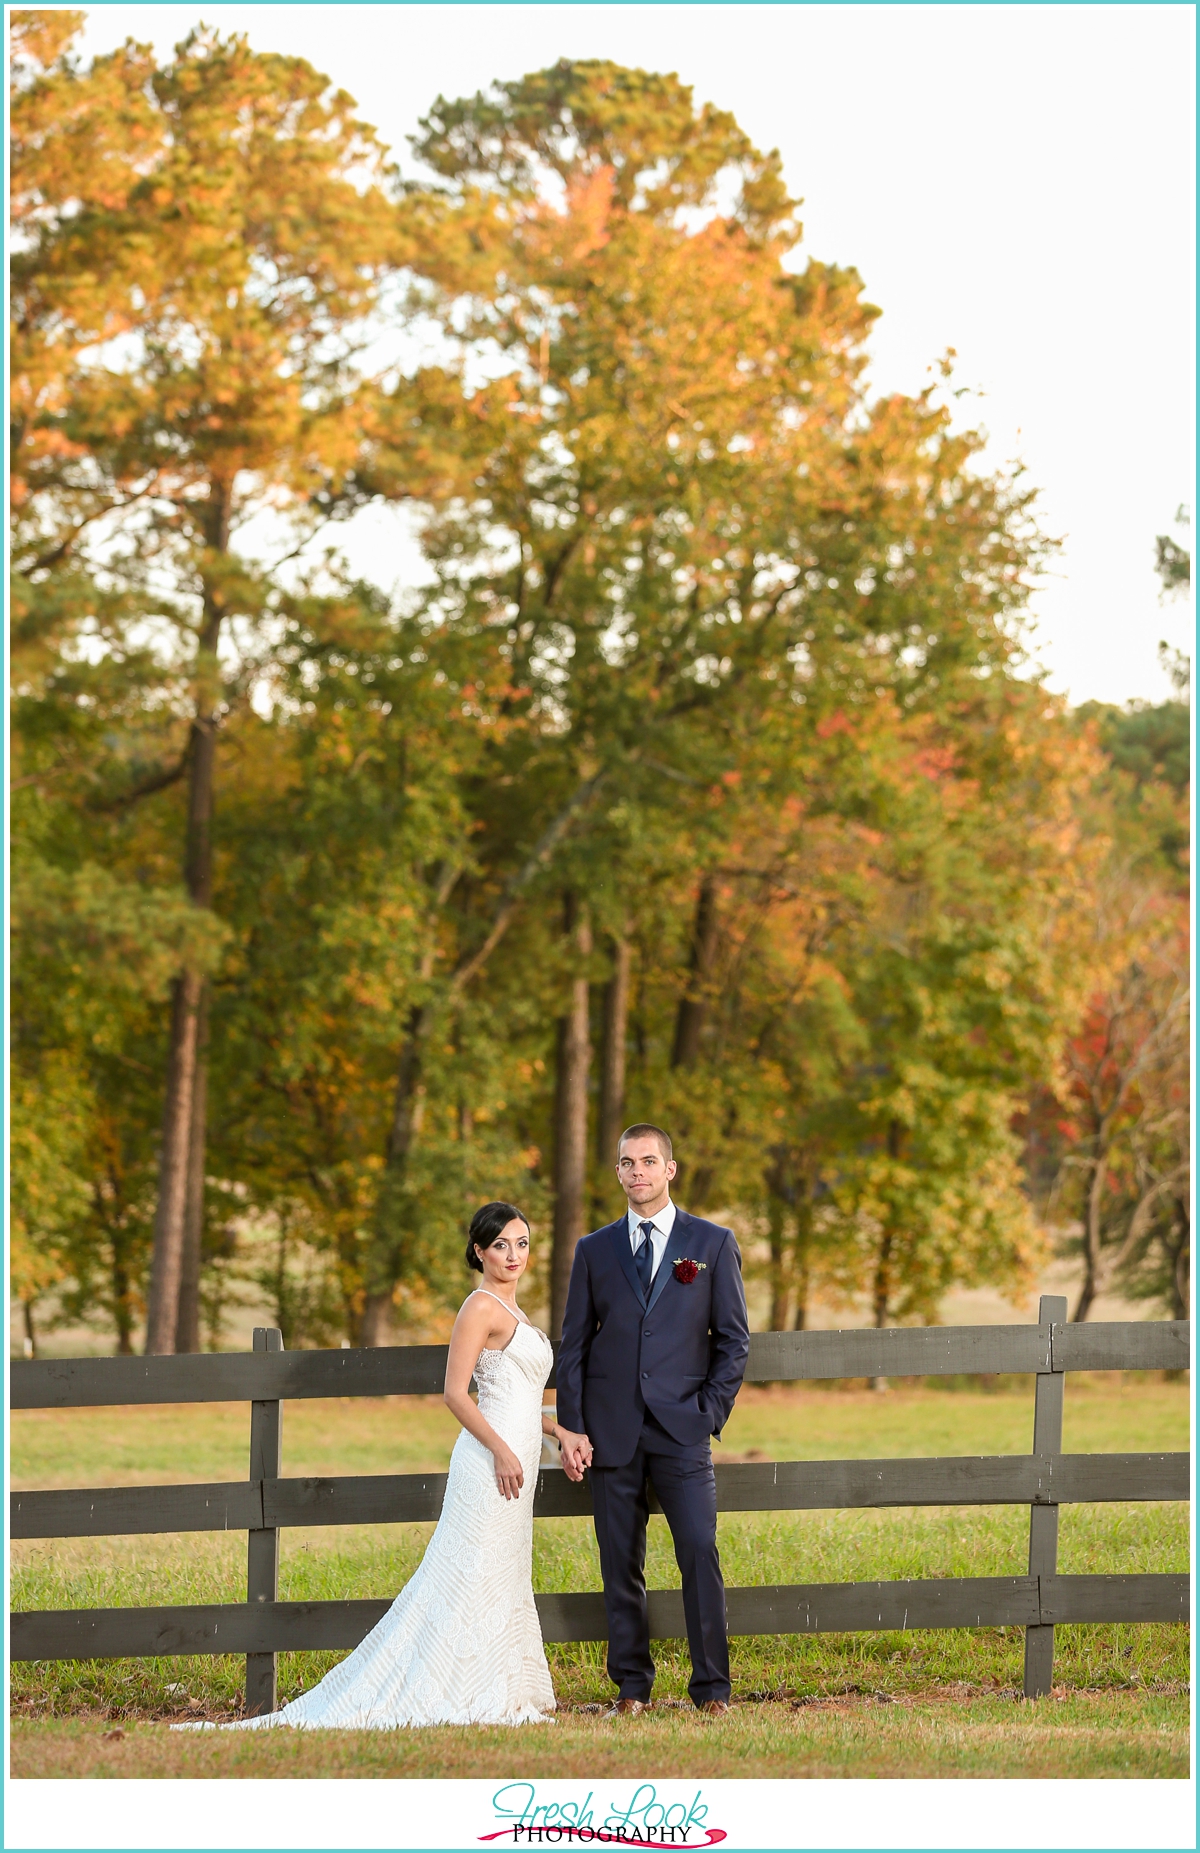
{"x":486,"y":1225}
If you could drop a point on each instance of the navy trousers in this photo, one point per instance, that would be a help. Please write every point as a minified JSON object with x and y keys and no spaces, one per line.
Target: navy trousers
{"x":683,"y":1480}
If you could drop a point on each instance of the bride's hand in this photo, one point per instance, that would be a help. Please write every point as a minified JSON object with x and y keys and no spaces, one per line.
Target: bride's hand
{"x":510,"y":1475}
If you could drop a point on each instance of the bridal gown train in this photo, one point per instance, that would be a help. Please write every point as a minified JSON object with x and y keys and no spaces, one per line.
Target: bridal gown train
{"x":461,"y":1643}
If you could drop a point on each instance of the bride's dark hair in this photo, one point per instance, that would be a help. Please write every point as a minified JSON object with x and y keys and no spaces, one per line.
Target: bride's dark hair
{"x":486,"y":1224}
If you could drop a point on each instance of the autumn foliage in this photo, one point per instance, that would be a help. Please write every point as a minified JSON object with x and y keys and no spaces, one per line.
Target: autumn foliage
{"x":701,"y":778}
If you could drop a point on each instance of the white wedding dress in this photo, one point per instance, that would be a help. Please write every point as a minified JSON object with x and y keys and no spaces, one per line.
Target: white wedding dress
{"x":461,"y":1643}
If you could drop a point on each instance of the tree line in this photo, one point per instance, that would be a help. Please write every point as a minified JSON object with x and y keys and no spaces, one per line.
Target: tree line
{"x":702,"y":776}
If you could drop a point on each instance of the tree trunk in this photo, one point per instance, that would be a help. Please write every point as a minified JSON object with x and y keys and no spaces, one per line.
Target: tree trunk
{"x":1093,"y":1228}
{"x":570,"y":1116}
{"x":883,"y":1288}
{"x":693,"y":1005}
{"x":1087,"y":1293}
{"x":386,"y":1257}
{"x":1181,"y":1285}
{"x":408,"y":1113}
{"x":375,"y":1328}
{"x":187,"y":1331}
{"x":166,"y":1267}
{"x":122,"y":1290}
{"x":883,"y":1265}
{"x":30,"y":1334}
{"x":776,"y":1212}
{"x":610,"y":1120}
{"x":803,"y":1254}
{"x":1180,"y":1271}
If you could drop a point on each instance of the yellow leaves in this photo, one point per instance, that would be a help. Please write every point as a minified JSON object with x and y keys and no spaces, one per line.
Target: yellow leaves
{"x":41,"y":35}
{"x":588,"y":208}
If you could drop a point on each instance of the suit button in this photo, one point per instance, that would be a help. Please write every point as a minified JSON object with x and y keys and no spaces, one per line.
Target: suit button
{"x":645,"y":1373}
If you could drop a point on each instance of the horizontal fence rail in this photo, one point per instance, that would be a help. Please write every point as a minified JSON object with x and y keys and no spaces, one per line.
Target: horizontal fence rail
{"x":775,"y":1357}
{"x":806,"y":1608}
{"x":266,"y":1502}
{"x":768,"y":1486}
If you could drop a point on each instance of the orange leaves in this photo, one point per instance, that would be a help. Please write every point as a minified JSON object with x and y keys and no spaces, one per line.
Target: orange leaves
{"x":935,"y":762}
{"x":589,"y":206}
{"x":241,"y":179}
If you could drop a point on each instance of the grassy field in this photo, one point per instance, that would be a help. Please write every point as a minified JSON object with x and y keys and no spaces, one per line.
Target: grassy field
{"x":917,"y":1703}
{"x":948,"y":1733}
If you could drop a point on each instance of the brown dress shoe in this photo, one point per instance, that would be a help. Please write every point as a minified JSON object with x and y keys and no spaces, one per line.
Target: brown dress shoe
{"x":629,"y":1708}
{"x":715,"y":1708}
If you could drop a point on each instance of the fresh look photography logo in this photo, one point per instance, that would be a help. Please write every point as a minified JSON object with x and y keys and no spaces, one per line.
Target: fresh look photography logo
{"x":646,"y":1820}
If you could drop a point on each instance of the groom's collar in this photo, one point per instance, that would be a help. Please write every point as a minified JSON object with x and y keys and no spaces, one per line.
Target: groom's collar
{"x":663,"y":1220}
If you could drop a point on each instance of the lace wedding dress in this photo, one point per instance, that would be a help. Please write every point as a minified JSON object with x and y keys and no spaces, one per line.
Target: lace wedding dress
{"x":461,"y":1643}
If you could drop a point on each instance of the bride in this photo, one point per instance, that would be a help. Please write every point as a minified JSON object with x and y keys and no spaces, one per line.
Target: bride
{"x":461,"y":1643}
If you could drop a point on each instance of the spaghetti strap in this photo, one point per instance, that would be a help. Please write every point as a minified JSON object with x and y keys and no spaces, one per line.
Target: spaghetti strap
{"x":516,"y":1312}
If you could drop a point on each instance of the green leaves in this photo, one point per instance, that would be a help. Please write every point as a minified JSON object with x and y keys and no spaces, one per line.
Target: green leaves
{"x":586,"y":117}
{"x":709,"y":640}
{"x":122,"y":934}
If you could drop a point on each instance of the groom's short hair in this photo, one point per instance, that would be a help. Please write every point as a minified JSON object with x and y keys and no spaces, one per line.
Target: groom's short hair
{"x":648,"y":1132}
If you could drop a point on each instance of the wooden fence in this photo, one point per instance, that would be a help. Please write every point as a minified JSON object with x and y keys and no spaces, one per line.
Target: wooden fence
{"x":265,"y":1503}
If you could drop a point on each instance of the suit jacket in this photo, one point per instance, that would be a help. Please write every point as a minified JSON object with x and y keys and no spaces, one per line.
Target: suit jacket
{"x":679,"y":1352}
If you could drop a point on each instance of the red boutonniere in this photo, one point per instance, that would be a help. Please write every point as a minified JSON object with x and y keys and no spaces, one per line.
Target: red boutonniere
{"x":686,"y":1271}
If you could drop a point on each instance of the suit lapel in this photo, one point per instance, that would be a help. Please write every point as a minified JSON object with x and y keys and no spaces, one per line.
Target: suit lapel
{"x":620,"y":1237}
{"x":675,"y":1250}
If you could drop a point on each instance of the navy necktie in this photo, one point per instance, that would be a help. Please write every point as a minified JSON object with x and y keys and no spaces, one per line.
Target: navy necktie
{"x":643,"y":1261}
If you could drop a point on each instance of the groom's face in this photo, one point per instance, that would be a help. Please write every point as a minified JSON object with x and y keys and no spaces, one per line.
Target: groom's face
{"x":645,"y":1173}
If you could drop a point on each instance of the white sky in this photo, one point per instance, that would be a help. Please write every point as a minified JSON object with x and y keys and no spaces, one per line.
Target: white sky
{"x":1012,"y":181}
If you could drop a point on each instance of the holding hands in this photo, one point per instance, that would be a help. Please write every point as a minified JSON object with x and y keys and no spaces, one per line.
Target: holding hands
{"x":576,"y":1455}
{"x":576,"y":1452}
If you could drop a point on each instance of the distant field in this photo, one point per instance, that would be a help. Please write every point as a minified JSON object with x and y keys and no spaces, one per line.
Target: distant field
{"x":410,"y":1434}
{"x":1132,"y":1669}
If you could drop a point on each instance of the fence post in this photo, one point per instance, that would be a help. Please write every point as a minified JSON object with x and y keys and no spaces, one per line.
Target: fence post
{"x":262,"y":1550}
{"x":1043,"y":1520}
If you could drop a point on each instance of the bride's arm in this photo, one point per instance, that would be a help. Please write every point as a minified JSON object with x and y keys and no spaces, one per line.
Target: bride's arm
{"x":472,"y":1329}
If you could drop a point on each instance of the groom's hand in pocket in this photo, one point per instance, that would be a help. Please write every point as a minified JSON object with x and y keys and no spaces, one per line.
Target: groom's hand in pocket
{"x":576,"y":1453}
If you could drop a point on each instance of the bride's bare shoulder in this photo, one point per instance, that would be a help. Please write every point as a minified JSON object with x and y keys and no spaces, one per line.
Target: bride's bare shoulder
{"x":480,"y":1313}
{"x":473,"y":1326}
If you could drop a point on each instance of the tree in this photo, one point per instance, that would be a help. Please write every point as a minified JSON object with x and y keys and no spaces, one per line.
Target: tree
{"x":1112,"y":1140}
{"x":1128,"y":1076}
{"x":1173,"y":563}
{"x":338,"y":808}
{"x":699,"y":517}
{"x":97,"y":948}
{"x":211,"y":376}
{"x":697,"y":783}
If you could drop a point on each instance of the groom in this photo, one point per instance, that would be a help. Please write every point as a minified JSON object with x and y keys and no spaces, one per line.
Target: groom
{"x":654,"y":1344}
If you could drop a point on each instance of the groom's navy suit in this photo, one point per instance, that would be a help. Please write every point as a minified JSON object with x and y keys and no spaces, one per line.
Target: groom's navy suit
{"x":649,"y":1378}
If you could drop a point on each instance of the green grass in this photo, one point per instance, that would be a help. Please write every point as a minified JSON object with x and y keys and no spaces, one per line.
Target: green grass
{"x":410,"y":1434}
{"x":1133,"y":1667}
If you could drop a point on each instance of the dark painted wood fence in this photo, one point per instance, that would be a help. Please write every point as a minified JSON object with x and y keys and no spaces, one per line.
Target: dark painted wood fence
{"x":265,"y":1503}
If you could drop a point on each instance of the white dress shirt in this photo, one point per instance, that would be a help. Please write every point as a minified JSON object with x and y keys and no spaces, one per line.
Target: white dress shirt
{"x":663,"y":1224}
